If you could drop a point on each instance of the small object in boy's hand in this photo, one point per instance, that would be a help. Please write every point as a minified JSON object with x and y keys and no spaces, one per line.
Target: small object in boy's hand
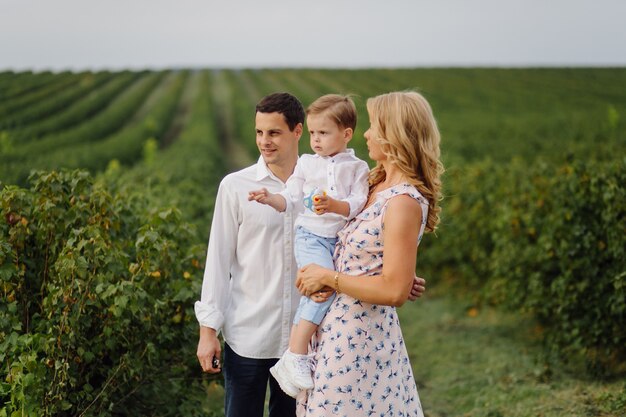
{"x":318,"y":197}
{"x":215,"y":363}
{"x":313,"y":197}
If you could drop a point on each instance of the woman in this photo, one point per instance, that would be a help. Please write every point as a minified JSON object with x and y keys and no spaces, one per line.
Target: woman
{"x":362,"y":367}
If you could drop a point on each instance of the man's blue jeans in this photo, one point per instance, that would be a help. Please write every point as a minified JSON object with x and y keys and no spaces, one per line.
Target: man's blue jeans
{"x":246,"y":382}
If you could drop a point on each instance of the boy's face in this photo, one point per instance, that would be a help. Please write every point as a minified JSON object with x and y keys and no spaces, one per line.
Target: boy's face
{"x":327,"y":138}
{"x":277,"y":144}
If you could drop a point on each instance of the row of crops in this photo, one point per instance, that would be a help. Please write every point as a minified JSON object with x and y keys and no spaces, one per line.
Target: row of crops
{"x":99,"y":268}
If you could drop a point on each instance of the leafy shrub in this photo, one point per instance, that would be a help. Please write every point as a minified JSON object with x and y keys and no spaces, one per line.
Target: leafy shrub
{"x":97,"y":293}
{"x":543,"y":239}
{"x":562,"y":255}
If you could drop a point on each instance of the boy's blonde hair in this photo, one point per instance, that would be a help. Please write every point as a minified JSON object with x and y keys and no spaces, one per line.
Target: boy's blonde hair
{"x":340,"y":109}
{"x":406,"y":129}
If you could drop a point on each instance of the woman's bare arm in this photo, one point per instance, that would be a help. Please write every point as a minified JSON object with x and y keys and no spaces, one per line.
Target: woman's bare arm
{"x":403,"y":218}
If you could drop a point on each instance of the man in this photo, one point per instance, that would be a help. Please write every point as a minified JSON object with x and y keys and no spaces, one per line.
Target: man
{"x":248,"y":291}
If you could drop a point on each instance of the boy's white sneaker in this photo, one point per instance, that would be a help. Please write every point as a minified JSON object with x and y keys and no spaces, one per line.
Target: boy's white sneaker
{"x":280,"y":375}
{"x":297,"y":369}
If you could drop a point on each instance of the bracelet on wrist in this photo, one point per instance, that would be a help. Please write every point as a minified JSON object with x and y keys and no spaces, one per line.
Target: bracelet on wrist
{"x":337,"y":283}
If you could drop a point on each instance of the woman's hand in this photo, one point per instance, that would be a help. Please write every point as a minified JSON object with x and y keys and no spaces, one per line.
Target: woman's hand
{"x":311,"y":279}
{"x":417,"y":289}
{"x":322,"y":295}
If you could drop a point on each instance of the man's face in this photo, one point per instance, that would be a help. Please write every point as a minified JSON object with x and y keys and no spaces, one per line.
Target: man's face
{"x":278,"y":145}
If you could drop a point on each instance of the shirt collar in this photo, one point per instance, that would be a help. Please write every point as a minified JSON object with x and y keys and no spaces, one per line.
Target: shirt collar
{"x":348,"y":153}
{"x":263,"y":171}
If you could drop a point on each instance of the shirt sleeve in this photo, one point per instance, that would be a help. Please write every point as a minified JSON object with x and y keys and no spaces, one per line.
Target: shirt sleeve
{"x":359,"y":189}
{"x":220,"y":256}
{"x":293,"y":190}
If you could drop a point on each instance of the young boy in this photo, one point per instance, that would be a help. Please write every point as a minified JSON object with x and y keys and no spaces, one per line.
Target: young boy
{"x":333,"y":186}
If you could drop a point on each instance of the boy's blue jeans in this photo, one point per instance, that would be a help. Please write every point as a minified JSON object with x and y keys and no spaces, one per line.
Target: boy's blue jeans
{"x":313,"y":249}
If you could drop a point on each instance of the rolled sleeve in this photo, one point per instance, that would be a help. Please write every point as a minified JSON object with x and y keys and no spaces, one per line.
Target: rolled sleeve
{"x":208,"y":315}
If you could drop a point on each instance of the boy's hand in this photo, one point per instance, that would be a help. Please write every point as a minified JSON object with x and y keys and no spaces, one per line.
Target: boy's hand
{"x":260,"y":196}
{"x":263,"y":196}
{"x":321,"y":203}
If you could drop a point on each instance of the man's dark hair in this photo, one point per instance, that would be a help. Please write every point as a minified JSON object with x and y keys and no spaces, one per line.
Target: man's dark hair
{"x":285,"y":104}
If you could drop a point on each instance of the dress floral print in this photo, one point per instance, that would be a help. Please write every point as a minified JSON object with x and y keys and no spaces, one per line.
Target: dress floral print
{"x":361,"y":363}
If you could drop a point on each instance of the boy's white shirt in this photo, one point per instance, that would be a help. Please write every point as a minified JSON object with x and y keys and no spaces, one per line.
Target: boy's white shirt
{"x":343,"y":176}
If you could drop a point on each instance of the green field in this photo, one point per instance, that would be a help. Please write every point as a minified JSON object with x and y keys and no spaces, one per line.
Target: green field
{"x":526,"y":308}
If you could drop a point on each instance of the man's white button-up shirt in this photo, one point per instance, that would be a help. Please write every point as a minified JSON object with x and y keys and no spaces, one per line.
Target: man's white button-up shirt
{"x":248,"y":291}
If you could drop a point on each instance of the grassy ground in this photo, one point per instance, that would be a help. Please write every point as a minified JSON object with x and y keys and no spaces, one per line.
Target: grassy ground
{"x":481,"y":362}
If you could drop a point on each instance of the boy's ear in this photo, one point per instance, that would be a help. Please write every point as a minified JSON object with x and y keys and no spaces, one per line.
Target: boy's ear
{"x":347,"y":134}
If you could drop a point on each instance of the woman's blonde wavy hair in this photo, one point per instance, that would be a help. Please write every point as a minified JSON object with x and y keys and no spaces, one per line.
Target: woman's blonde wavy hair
{"x":406,"y":129}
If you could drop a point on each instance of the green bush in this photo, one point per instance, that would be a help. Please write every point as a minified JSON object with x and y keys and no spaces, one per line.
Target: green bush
{"x":96,"y":311}
{"x":560,"y":254}
{"x":543,"y":239}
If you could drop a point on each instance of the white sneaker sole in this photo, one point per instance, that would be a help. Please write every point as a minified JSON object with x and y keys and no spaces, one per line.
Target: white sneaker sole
{"x":278,"y":373}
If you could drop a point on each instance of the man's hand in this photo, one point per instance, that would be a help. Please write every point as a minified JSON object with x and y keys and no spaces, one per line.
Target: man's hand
{"x":209,"y":348}
{"x":417,"y":289}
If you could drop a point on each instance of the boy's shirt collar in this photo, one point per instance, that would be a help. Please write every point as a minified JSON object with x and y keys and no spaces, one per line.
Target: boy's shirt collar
{"x":349,"y":152}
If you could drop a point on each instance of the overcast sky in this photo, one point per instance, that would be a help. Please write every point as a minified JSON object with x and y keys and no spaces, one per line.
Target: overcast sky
{"x":114,"y":34}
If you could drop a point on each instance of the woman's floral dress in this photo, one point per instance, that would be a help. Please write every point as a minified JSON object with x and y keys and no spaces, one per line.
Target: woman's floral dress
{"x":362,"y":367}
